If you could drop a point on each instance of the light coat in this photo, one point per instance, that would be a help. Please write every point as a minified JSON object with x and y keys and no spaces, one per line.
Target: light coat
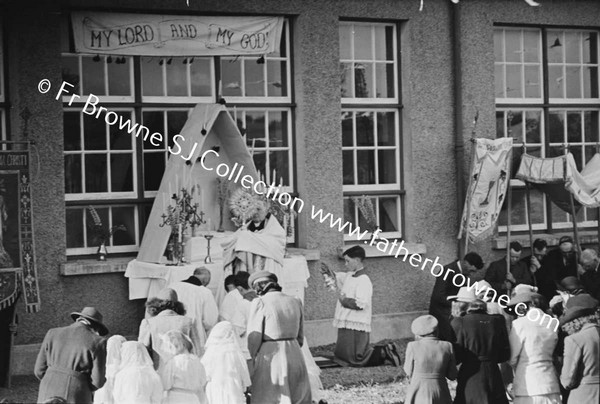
{"x":581,"y":370}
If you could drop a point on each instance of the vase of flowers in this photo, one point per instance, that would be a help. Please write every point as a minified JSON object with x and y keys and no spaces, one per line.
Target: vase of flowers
{"x":101,"y":233}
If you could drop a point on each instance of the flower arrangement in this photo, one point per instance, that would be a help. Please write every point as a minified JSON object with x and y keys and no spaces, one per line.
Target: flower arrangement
{"x":223,"y":191}
{"x":99,"y":231}
{"x":365,"y":206}
{"x":329,"y":276}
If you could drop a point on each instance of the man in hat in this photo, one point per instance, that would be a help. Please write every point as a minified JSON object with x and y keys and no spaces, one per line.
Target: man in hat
{"x":502,"y":279}
{"x":439,"y":305}
{"x":72,"y":361}
{"x":590,"y":278}
{"x":198,"y":301}
{"x":566,"y":288}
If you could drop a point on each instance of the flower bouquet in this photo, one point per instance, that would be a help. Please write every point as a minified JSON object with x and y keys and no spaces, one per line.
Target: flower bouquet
{"x":100,"y":232}
{"x":329,"y":276}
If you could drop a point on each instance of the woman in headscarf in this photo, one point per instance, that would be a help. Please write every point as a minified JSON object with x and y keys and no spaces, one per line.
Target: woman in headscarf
{"x":167,"y":315}
{"x":481,"y":344}
{"x":137,"y":382}
{"x":581,"y":368}
{"x":429,"y":361}
{"x":113,"y":362}
{"x":275,"y":333}
{"x":183,"y":375}
{"x":532,"y":344}
{"x":226,"y":366}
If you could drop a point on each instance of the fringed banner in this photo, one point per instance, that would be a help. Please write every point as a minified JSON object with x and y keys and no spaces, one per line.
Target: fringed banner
{"x":17,"y":255}
{"x":489,"y":180}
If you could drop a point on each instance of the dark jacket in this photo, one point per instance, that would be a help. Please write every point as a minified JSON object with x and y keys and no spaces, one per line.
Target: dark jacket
{"x":481,"y":343}
{"x":496,"y":275}
{"x":439,"y":306}
{"x":71,"y":364}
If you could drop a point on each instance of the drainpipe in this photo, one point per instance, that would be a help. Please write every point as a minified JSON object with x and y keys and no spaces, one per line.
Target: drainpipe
{"x":458,"y":115}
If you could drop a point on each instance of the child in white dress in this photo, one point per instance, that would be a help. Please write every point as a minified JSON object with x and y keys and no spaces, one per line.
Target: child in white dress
{"x":226,"y":366}
{"x":104,"y":395}
{"x":137,"y":382}
{"x":183,"y":376}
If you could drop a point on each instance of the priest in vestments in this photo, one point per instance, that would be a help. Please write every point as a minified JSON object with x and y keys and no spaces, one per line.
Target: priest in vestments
{"x":258,"y":245}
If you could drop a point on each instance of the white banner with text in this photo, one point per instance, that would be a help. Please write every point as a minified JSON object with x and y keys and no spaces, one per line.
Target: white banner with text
{"x":174,"y":35}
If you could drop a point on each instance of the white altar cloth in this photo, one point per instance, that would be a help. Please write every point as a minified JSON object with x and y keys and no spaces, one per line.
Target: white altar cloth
{"x":146,"y":279}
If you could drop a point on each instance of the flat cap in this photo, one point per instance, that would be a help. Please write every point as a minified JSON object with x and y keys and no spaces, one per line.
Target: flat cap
{"x":424,"y":325}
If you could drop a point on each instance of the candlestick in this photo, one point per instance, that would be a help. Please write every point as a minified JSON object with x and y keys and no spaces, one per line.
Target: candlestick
{"x":179,"y":235}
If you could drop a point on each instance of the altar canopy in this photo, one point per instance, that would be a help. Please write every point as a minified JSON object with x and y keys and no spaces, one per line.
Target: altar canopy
{"x":558,"y":176}
{"x":225,"y":145}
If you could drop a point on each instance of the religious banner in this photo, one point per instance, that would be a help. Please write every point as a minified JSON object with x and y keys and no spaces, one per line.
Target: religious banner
{"x":174,"y":35}
{"x":490,"y":175}
{"x":17,"y":257}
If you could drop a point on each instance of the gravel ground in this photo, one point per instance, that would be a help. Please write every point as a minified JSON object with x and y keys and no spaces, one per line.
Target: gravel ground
{"x":375,"y":385}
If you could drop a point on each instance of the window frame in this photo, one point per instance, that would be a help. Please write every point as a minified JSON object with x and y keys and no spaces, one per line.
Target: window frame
{"x":546,"y":105}
{"x":374,"y":105}
{"x":140,"y":199}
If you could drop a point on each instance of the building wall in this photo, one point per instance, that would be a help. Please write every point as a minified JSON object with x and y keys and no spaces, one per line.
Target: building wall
{"x":430,"y":171}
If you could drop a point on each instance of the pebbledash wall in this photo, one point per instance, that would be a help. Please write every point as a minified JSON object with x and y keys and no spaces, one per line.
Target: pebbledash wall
{"x":430,"y":168}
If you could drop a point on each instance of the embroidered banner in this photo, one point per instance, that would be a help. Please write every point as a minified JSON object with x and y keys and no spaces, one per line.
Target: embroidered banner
{"x":17,"y":257}
{"x":174,"y":35}
{"x":487,"y":187}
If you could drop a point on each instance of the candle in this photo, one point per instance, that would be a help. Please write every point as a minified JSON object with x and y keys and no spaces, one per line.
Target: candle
{"x":220,"y":88}
{"x":177,"y":183}
{"x":273,"y":178}
{"x":170,"y":191}
{"x":180,"y":233}
{"x":235,"y":115}
{"x":281,"y":181}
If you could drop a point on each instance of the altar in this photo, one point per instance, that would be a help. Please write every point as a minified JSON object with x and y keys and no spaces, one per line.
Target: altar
{"x":146,"y":279}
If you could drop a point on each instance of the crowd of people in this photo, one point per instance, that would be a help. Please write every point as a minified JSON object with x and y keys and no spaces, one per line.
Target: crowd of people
{"x":542,"y":348}
{"x":188,"y":350}
{"x":251,"y":347}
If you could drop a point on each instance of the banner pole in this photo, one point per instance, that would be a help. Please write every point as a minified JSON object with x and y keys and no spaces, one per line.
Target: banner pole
{"x":508,"y":221}
{"x":528,"y":207}
{"x":470,"y":189}
{"x":573,"y":214}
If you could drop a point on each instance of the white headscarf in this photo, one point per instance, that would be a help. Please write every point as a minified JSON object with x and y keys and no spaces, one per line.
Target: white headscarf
{"x":134,"y":354}
{"x":113,"y":354}
{"x":223,"y":357}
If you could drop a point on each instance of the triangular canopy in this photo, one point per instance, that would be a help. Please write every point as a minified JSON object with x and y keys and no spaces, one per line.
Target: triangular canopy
{"x":223,"y":137}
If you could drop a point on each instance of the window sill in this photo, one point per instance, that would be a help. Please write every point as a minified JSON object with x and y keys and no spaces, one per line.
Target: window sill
{"x":585,"y":237}
{"x":371,"y":251}
{"x":92,"y":266}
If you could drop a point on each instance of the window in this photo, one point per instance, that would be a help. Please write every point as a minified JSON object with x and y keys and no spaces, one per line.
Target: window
{"x":120,"y":174}
{"x":372,"y":163}
{"x":3,"y":134}
{"x":546,"y":98}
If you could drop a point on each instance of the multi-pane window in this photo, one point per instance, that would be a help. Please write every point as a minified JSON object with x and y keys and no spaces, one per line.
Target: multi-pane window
{"x":371,"y":123}
{"x":3,"y":135}
{"x":547,"y":99}
{"x":118,"y":173}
